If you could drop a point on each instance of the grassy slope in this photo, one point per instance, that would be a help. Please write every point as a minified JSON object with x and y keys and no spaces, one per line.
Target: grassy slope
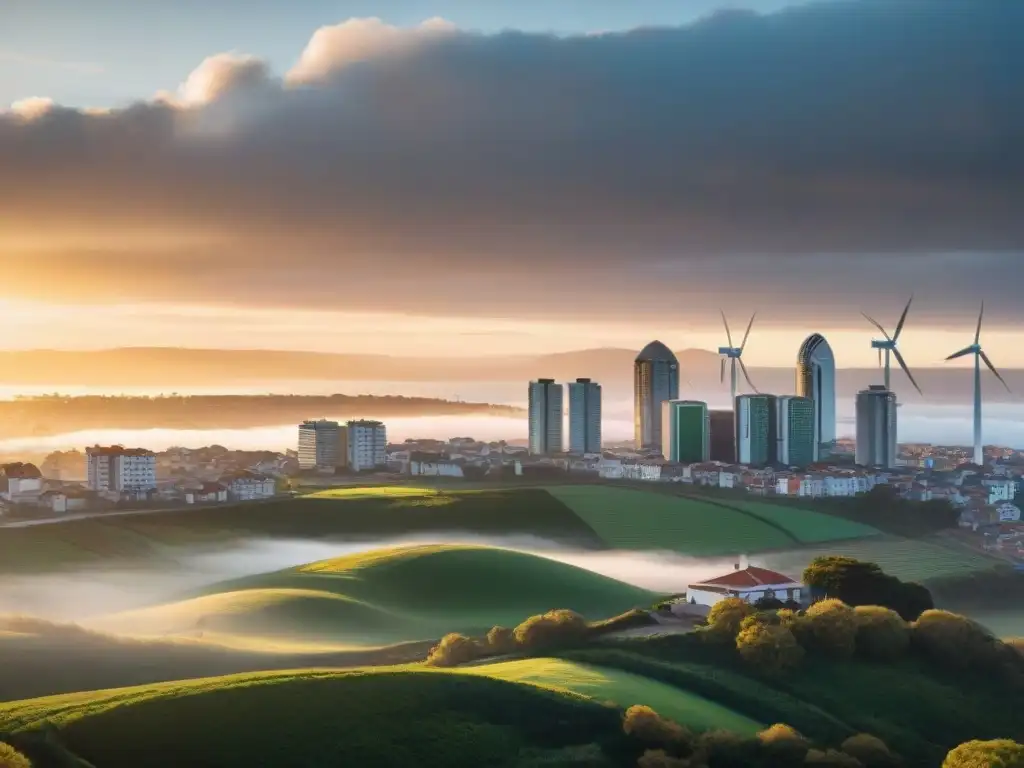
{"x":366,"y":512}
{"x":622,"y":688}
{"x":630,"y":519}
{"x":804,"y":524}
{"x":316,"y":718}
{"x":391,"y":595}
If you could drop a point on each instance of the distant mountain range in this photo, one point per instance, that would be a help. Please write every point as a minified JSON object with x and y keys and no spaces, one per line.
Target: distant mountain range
{"x":172,"y":368}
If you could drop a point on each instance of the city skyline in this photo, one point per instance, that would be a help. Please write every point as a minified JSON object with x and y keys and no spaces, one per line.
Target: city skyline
{"x":273,"y":176}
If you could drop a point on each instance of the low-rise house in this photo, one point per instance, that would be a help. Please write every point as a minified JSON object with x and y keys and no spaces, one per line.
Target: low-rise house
{"x":434,"y":465}
{"x":21,"y":483}
{"x":207,"y":493}
{"x":249,"y":486}
{"x":750,"y":584}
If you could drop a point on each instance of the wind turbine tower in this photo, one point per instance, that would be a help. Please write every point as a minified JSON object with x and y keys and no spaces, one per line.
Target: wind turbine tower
{"x":888,"y":345}
{"x":735,"y":355}
{"x":979,"y":355}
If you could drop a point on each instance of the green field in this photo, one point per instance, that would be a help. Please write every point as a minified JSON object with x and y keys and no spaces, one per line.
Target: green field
{"x":807,"y":526}
{"x":622,"y":688}
{"x":388,"y":596}
{"x":907,"y":559}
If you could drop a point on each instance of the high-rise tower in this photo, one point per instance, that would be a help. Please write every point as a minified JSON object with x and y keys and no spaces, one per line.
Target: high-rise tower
{"x":545,"y":414}
{"x":655,"y":380}
{"x":794,"y":420}
{"x":876,"y":427}
{"x":816,"y":379}
{"x":756,"y":429}
{"x":685,"y":431}
{"x":584,"y":416}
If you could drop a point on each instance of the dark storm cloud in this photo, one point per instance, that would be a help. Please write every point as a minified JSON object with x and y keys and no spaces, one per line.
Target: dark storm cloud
{"x":828,"y":149}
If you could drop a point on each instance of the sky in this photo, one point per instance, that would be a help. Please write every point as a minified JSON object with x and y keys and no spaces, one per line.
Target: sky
{"x":457,"y":177}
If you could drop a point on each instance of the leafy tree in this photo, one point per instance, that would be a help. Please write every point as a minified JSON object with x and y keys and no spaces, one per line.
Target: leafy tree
{"x":725,"y":617}
{"x":454,"y":649}
{"x":782,"y":745}
{"x":828,"y":626}
{"x":501,"y":640}
{"x":646,"y":725}
{"x":882,"y":634}
{"x":861,"y":583}
{"x":999,"y":753}
{"x":551,"y":630}
{"x":958,"y":642}
{"x":12,"y":758}
{"x":870,"y":750}
{"x":770,"y":647}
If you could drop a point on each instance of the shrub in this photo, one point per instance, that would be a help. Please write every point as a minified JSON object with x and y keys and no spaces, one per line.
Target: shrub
{"x":12,"y":758}
{"x":831,"y":758}
{"x":829,"y":626}
{"x":454,"y":649}
{"x":860,"y":583}
{"x":551,"y":630}
{"x":999,"y":753}
{"x":659,"y":758}
{"x":881,"y":633}
{"x":772,"y":648}
{"x":870,"y":750}
{"x":725,"y":617}
{"x":501,"y":640}
{"x":956,"y":641}
{"x":783,"y":744}
{"x":725,"y":749}
{"x":646,"y":725}
{"x":768,"y":604}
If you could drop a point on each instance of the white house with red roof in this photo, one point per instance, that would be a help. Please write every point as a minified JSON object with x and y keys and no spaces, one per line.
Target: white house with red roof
{"x":750,"y":584}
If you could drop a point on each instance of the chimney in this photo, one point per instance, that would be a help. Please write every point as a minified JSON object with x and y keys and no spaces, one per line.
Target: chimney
{"x":744,"y":563}
{"x":736,"y":566}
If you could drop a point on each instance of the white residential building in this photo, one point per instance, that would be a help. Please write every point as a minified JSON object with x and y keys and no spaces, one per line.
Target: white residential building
{"x":116,"y":469}
{"x":367,"y":445}
{"x":435,"y":468}
{"x":750,"y":584}
{"x":21,"y":483}
{"x":1000,"y":489}
{"x":250,"y":486}
{"x":322,"y":445}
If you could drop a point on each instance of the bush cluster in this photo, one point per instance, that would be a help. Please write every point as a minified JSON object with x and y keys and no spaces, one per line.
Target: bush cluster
{"x":666,"y":744}
{"x":12,"y":758}
{"x":999,"y":753}
{"x":855,"y":582}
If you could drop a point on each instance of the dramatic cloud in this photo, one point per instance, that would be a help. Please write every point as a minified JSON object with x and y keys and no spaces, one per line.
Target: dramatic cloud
{"x":808,"y":156}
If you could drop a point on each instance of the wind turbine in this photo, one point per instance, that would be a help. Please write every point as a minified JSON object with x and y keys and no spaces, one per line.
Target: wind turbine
{"x":889,"y":345}
{"x":735,"y":354}
{"x":979,"y":355}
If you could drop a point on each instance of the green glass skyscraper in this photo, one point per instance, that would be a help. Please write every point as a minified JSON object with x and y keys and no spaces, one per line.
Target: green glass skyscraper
{"x":685,"y":431}
{"x":794,"y":418}
{"x":756,"y":431}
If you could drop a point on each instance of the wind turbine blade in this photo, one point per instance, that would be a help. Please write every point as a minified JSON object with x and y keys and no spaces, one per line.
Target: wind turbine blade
{"x":993,"y":369}
{"x":977,"y":333}
{"x":743,"y":343}
{"x":903,"y":365}
{"x":877,"y":325}
{"x":961,"y":353}
{"x":728,"y":335}
{"x":903,"y":319}
{"x":746,"y":375}
{"x":722,"y":378}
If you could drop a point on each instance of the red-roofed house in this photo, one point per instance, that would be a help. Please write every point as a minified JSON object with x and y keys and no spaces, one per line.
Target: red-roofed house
{"x":750,"y":584}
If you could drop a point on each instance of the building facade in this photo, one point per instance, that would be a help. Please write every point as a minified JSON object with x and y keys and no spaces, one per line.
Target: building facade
{"x":115,"y":469}
{"x":756,"y":432}
{"x":685,"y":431}
{"x":723,"y":436}
{"x":794,"y":419}
{"x":655,"y":380}
{"x":545,"y":414}
{"x":367,"y":443}
{"x":584,"y":416}
{"x":876,"y":427}
{"x":323,"y":445}
{"x":816,"y":379}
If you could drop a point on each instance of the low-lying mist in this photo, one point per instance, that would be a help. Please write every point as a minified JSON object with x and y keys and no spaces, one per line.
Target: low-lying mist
{"x":86,"y":593}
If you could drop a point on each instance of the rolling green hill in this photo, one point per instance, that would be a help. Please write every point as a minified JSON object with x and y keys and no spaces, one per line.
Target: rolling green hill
{"x":387,"y":596}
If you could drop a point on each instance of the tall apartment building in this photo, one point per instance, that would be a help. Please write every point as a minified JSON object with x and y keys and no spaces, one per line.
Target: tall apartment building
{"x":584,"y":416}
{"x":795,"y":431}
{"x":723,"y":436}
{"x":685,"y":431}
{"x":116,"y":469}
{"x":756,"y":432}
{"x":323,"y":445}
{"x":876,"y":427}
{"x":367,"y":445}
{"x":545,"y":414}
{"x":655,"y":380}
{"x":816,"y":379}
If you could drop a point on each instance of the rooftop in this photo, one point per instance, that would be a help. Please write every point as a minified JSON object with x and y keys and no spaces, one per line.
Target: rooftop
{"x":656,"y":351}
{"x":748,"y":578}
